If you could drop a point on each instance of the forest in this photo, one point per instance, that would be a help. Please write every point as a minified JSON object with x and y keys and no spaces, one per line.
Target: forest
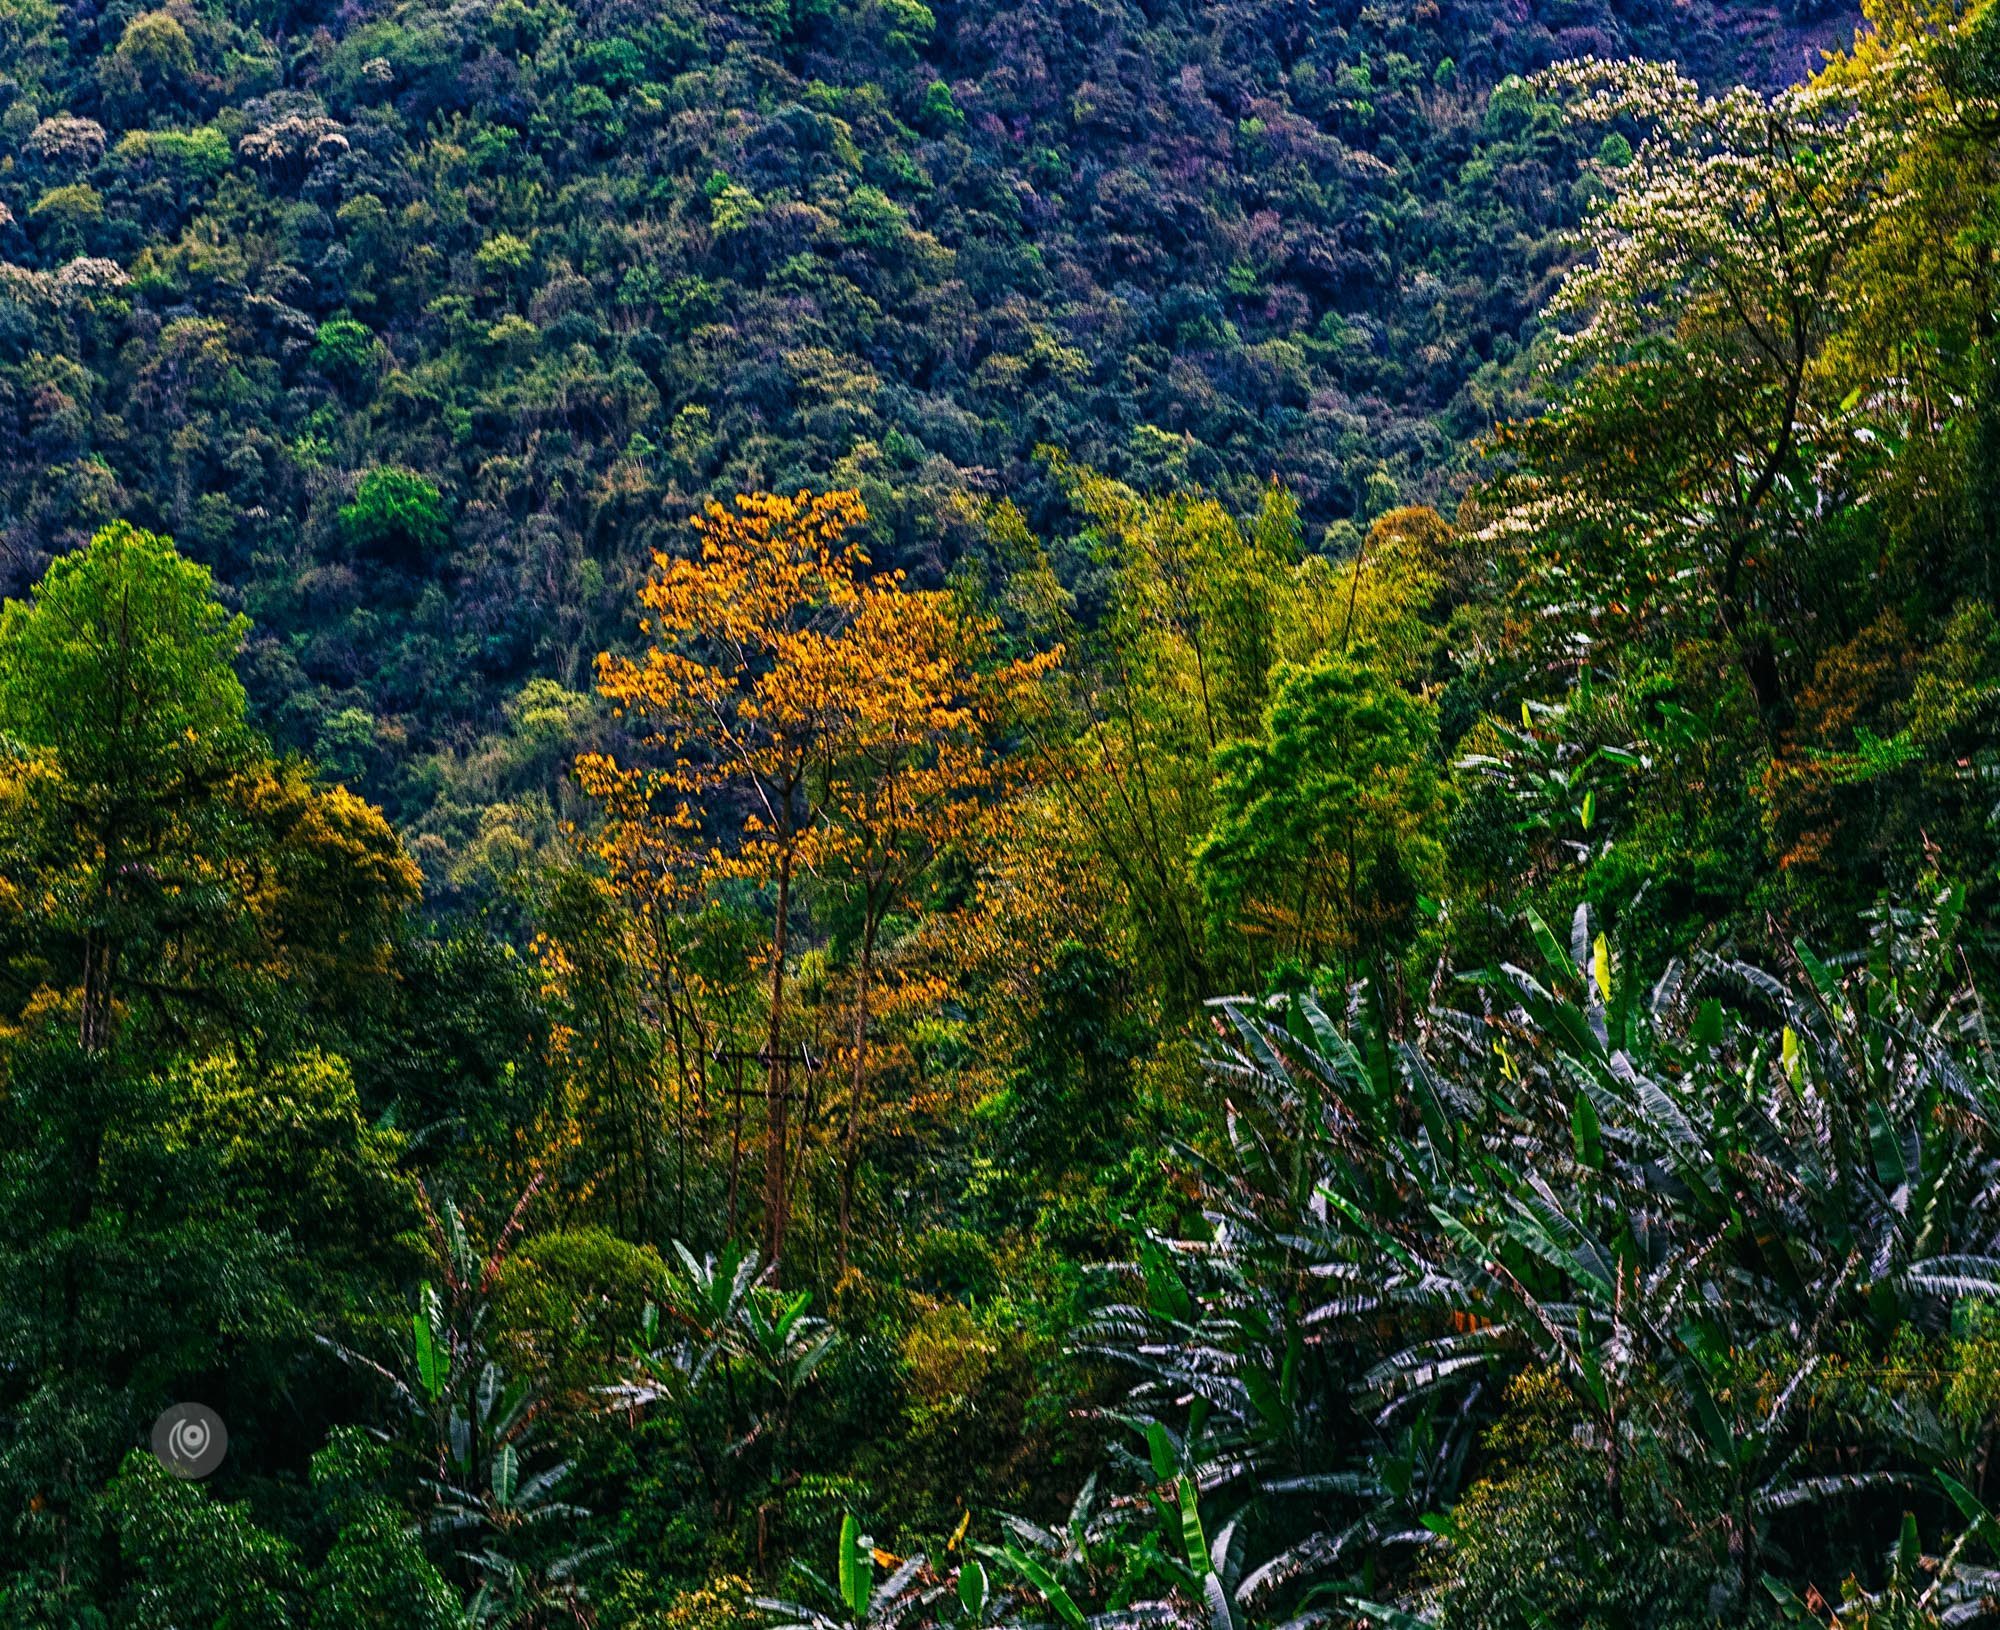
{"x":857,"y":815}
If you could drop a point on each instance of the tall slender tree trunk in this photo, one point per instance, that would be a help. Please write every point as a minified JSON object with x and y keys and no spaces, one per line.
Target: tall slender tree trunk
{"x":850,"y":1143}
{"x":87,"y":1153}
{"x":94,"y":1023}
{"x":736,"y":1145}
{"x":86,"y":1158}
{"x":776,"y":1129}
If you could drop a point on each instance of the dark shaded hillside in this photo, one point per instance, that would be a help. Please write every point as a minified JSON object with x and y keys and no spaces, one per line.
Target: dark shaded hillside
{"x":425,"y":325}
{"x":1768,"y":46}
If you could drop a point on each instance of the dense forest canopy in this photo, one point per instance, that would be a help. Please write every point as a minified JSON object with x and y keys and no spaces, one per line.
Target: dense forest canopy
{"x":882,"y":818}
{"x":424,"y":325}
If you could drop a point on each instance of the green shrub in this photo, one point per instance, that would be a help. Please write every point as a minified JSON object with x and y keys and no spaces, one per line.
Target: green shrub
{"x":396,"y":515}
{"x":346,"y":350}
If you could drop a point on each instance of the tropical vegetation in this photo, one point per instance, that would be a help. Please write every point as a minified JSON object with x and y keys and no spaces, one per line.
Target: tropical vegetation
{"x":863,"y":818}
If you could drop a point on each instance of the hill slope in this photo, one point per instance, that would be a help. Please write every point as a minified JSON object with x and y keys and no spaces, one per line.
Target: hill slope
{"x":426,"y":325}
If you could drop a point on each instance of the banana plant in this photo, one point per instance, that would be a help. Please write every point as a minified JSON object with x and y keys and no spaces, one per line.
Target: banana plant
{"x":911,"y":1593}
{"x":1116,"y":1564}
{"x":1550,"y":778}
{"x":718,"y":1310}
{"x":496,"y":1507}
{"x":510,"y":1525}
{"x":1672,"y":1198}
{"x":445,"y":1346}
{"x":725,"y":1358}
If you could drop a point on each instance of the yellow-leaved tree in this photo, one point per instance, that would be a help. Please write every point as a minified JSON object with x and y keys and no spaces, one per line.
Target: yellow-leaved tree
{"x":791,"y":715}
{"x":732,"y":704}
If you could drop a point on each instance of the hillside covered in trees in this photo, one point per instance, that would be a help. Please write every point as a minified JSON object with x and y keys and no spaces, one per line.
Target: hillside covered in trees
{"x":424,"y":326}
{"x":869,"y":818}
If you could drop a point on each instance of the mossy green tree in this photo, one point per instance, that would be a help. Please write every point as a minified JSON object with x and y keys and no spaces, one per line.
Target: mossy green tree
{"x":396,"y":516}
{"x":1326,"y":830}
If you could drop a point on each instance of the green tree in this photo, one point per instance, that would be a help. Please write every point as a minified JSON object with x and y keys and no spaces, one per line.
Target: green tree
{"x":346,"y":351}
{"x":126,"y":717}
{"x":155,"y":857}
{"x":190,"y":1558}
{"x":1326,"y":825}
{"x":1177,"y":666}
{"x":180,"y":917}
{"x":1076,"y":1082}
{"x":396,"y":515}
{"x":153,"y":63}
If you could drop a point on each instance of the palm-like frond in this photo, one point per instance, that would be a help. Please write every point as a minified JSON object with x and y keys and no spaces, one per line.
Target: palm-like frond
{"x":1669,"y":1199}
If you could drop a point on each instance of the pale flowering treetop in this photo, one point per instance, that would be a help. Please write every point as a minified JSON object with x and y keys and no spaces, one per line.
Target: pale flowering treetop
{"x":88,"y":274}
{"x":313,"y":137}
{"x":74,"y":283}
{"x":67,"y":140}
{"x":1695,"y":439}
{"x":26,"y":287}
{"x":1735,"y":206}
{"x":293,"y":132}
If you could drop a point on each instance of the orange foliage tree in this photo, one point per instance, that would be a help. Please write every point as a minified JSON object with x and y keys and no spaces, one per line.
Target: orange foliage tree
{"x":795,"y":716}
